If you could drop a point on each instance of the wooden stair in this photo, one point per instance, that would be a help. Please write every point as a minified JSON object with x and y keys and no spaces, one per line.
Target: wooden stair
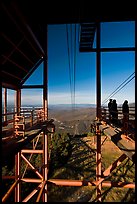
{"x":87,"y":33}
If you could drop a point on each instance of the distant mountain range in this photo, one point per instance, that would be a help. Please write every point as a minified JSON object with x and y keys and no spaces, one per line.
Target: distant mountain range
{"x":70,"y":106}
{"x":131,"y":104}
{"x":55,"y":106}
{"x":62,"y":106}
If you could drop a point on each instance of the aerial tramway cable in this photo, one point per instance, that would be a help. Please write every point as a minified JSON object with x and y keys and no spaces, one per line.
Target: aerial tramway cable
{"x":70,"y":79}
{"x":72,"y":62}
{"x":124,"y":83}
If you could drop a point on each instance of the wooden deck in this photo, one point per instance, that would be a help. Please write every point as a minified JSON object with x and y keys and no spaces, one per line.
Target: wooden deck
{"x":123,"y":142}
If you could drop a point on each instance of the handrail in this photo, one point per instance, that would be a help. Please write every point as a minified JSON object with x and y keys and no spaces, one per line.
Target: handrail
{"x":32,"y":112}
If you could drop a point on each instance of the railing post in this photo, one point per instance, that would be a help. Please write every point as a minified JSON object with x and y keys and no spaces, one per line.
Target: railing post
{"x":17,"y":176}
{"x":98,"y":162}
{"x":32,"y":114}
{"x":5,"y":104}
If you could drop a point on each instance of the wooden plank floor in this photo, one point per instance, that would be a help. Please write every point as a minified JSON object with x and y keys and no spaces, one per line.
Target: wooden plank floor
{"x":123,"y":142}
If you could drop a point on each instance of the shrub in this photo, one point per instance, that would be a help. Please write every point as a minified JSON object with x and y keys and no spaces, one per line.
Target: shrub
{"x":60,"y":152}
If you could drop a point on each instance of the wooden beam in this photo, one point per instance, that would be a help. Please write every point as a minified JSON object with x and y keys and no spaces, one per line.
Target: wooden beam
{"x":10,"y":190}
{"x":17,"y":47}
{"x":35,"y":151}
{"x":118,"y":184}
{"x":66,"y":182}
{"x":27,"y":29}
{"x":117,"y":49}
{"x":32,"y":86}
{"x":12,"y":75}
{"x":20,"y":26}
{"x":17,"y":65}
{"x":9,"y":86}
{"x":31,"y":71}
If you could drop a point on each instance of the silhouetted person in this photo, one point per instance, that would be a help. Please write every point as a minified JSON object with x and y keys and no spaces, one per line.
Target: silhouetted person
{"x":125,"y":108}
{"x":125,"y":111}
{"x":110,"y":109}
{"x":114,"y":112}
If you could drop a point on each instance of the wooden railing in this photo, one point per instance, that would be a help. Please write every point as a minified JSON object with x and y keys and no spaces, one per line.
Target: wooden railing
{"x":126,"y":123}
{"x":30,"y":115}
{"x":105,"y":113}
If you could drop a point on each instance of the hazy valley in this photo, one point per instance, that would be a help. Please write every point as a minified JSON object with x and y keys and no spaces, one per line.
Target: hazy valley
{"x":74,"y":121}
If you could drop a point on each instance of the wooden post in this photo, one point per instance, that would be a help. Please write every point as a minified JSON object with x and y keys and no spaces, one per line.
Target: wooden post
{"x":98,"y":114}
{"x":98,"y":74}
{"x":17,"y":176}
{"x":98,"y":162}
{"x":18,"y":101}
{"x":45,"y":77}
{"x":17,"y":156}
{"x":45,"y":108}
{"x":5,"y":104}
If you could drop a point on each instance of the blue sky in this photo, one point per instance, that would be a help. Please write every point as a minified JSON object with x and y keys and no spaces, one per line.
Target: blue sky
{"x":115,"y":66}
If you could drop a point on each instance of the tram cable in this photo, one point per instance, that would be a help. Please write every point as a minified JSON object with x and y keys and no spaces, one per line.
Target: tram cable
{"x":74,"y":63}
{"x":72,"y":60}
{"x":71,"y":45}
{"x":70,"y":77}
{"x":124,"y":83}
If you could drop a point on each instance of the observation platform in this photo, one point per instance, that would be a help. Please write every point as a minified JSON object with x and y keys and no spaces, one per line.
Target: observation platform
{"x":12,"y":145}
{"x":122,"y":141}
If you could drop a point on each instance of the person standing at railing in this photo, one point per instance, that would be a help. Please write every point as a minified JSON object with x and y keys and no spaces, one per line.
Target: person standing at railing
{"x":114,"y":112}
{"x":125,"y":111}
{"x":110,"y":109}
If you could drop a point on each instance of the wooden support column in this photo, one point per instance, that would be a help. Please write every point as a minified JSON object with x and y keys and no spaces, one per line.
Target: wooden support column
{"x":45,"y":108}
{"x":17,"y":177}
{"x":98,"y":73}
{"x":135,"y":62}
{"x":18,"y":101}
{"x":5,"y":104}
{"x":45,"y":77}
{"x":17,"y":156}
{"x":98,"y":113}
{"x":98,"y":162}
{"x":45,"y":92}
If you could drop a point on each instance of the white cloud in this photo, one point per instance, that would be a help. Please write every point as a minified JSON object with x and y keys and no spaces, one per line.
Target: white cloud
{"x":32,"y":97}
{"x":59,"y":98}
{"x":65,"y":98}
